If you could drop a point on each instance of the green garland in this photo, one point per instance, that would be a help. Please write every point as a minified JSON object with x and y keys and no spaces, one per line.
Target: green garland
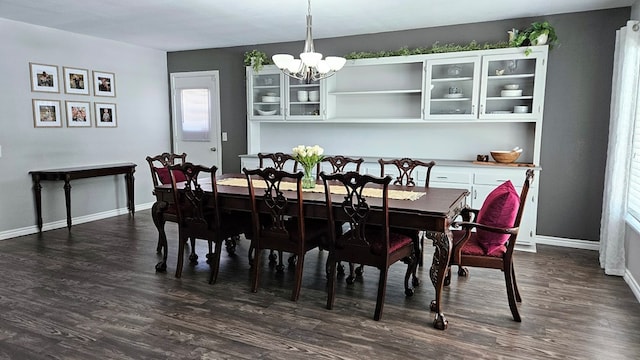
{"x":436,"y":48}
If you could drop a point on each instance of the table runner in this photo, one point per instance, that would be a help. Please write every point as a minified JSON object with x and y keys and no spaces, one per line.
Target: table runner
{"x":335,"y":189}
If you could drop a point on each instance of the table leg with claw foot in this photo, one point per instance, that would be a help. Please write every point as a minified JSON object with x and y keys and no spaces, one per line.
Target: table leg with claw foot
{"x":438,"y":272}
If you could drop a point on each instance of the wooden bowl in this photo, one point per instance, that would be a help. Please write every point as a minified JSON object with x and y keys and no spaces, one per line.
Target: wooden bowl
{"x":505,"y":157}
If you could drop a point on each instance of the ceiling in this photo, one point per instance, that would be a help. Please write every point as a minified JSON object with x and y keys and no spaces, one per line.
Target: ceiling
{"x":173,"y":25}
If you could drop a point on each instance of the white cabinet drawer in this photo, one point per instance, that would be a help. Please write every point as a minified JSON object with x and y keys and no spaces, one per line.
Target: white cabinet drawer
{"x":497,"y":178}
{"x":450,"y":177}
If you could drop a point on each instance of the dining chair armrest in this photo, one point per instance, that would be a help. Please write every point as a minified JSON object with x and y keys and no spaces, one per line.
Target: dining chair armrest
{"x":468,"y":214}
{"x":467,"y":225}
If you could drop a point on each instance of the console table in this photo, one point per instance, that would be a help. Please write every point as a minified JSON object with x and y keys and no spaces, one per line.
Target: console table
{"x":80,"y":172}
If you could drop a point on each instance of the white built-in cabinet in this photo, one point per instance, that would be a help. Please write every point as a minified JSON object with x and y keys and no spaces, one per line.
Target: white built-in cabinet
{"x":444,"y":107}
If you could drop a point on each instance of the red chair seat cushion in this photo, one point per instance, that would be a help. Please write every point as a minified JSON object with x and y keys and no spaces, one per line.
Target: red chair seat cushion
{"x":472,"y":246}
{"x":396,"y":241}
{"x":165,"y":178}
{"x":499,"y":210}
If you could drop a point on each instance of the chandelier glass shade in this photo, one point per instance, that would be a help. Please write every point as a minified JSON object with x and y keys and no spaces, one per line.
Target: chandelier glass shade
{"x":310,"y":66}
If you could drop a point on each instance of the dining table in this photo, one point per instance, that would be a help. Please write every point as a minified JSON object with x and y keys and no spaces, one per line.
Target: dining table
{"x":427,"y":209}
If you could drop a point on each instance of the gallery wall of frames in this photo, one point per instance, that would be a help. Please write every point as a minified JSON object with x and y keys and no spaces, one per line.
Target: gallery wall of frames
{"x":76,"y":109}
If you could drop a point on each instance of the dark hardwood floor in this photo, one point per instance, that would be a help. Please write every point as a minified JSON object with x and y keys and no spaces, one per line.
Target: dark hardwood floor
{"x":93,"y":293}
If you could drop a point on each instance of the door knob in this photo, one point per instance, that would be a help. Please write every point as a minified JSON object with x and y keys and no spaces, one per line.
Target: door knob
{"x":214,"y":149}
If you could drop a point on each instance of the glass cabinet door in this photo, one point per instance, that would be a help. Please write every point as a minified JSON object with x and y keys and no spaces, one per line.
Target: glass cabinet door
{"x":451,"y":88}
{"x":304,"y":99}
{"x":265,"y":95}
{"x":511,"y":86}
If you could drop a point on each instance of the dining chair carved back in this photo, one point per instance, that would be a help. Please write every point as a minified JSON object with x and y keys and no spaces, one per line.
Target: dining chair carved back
{"x":366,"y":243}
{"x":278,"y":221}
{"x":404,"y":168}
{"x":163,"y":212}
{"x":198,"y":213}
{"x":491,"y":246}
{"x":339,"y":164}
{"x":279,"y":161}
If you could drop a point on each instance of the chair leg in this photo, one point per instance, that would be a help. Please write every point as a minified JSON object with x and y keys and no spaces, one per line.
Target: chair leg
{"x":515,"y":284}
{"x":210,"y":253}
{"x":250,"y":255}
{"x":297,"y":283}
{"x":382,"y":289}
{"x":331,"y":286}
{"x":421,"y":254}
{"x":508,"y":273}
{"x":256,"y":269}
{"x":352,"y":277}
{"x":182,"y":241}
{"x":412,"y":263}
{"x":193,"y":257}
{"x":215,"y":262}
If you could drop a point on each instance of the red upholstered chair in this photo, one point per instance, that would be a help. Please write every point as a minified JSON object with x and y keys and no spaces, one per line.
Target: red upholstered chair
{"x":367,"y":244}
{"x":286,"y":229}
{"x":491,"y":245}
{"x":159,"y":167}
{"x":404,"y":170}
{"x":198,"y":215}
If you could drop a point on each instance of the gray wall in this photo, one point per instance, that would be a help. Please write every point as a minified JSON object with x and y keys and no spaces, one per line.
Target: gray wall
{"x":575,"y":130}
{"x":142,"y":112}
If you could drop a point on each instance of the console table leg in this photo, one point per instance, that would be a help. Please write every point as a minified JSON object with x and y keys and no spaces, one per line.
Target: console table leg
{"x":67,"y":198}
{"x":37,"y":192}
{"x":130,"y":180}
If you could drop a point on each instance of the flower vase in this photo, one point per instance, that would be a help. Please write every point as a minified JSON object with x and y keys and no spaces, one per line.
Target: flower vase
{"x":308,"y":181}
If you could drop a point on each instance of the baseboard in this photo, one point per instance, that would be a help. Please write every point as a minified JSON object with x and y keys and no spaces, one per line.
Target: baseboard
{"x":571,"y":243}
{"x":633,"y":284}
{"x":63,"y":223}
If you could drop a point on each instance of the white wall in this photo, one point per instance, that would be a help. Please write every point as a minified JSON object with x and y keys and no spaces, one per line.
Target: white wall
{"x":635,"y":11}
{"x":143,"y":124}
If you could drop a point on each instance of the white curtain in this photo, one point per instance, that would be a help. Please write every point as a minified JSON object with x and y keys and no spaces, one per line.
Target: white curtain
{"x":624,"y":102}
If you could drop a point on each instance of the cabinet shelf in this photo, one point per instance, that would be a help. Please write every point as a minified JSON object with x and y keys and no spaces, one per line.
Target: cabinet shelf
{"x":510,"y":76}
{"x":452,"y":99}
{"x":498,"y":98}
{"x":451,"y":79}
{"x":375,"y":92}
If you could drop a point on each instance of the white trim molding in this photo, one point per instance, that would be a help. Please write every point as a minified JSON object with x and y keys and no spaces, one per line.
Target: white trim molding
{"x":63,"y":223}
{"x":571,"y":243}
{"x":633,"y":284}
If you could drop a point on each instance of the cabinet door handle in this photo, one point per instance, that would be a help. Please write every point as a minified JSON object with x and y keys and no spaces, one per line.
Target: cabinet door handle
{"x":442,"y":177}
{"x":475,"y":194}
{"x":481,"y":108}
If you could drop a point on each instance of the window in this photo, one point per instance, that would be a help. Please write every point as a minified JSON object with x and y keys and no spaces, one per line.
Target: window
{"x":195,"y":114}
{"x":633,"y":201}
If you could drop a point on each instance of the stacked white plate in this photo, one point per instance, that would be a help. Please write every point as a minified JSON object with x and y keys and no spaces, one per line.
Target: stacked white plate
{"x":511,"y":93}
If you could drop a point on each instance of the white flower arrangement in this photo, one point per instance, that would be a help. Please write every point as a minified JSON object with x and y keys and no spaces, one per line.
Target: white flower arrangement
{"x":308,"y":156}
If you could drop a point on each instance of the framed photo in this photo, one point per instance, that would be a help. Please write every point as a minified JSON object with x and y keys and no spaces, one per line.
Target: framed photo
{"x":106,"y":115}
{"x":46,"y":113}
{"x":44,"y":78}
{"x":76,"y":81}
{"x":78,"y":114}
{"x":104,"y":83}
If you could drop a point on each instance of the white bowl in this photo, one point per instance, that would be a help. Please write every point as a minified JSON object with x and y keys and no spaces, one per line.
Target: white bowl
{"x":521,"y":109}
{"x":271,"y":99}
{"x":314,"y":95}
{"x":267,"y":112}
{"x":511,"y":87}
{"x":511,"y":93}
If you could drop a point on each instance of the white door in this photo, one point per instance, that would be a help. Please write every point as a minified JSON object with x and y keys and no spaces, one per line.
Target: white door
{"x":195,"y":105}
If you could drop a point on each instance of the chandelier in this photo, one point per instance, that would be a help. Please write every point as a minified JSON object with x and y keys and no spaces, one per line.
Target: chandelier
{"x":310,"y":66}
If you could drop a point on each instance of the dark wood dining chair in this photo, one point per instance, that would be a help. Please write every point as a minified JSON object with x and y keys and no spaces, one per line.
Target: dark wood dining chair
{"x":491,"y":245}
{"x":405,"y":168}
{"x":371,"y":244}
{"x":279,"y":161}
{"x":286,"y":230}
{"x":198,"y":215}
{"x":339,"y":164}
{"x":159,"y":167}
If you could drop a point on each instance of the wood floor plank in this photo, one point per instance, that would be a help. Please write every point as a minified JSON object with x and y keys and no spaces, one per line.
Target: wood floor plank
{"x":93,"y":293}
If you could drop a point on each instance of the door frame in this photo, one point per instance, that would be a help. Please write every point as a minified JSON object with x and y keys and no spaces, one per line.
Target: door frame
{"x":215,"y":108}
